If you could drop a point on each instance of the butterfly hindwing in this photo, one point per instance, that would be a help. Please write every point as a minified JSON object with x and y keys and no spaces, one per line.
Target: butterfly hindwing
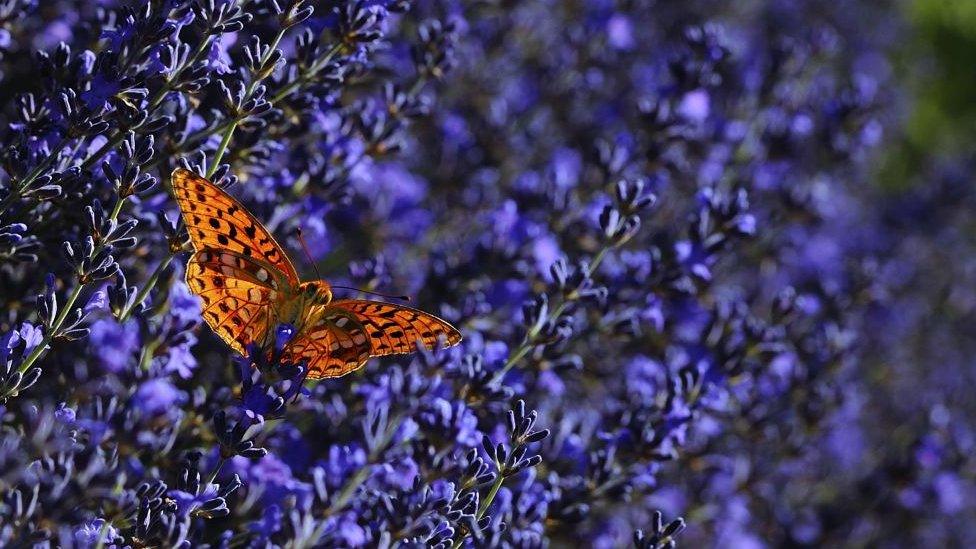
{"x":395,"y":329}
{"x":237,"y":293}
{"x":215,"y":220}
{"x":333,"y":343}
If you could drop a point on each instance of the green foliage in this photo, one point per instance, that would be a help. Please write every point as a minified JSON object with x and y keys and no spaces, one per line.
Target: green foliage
{"x":938,"y":70}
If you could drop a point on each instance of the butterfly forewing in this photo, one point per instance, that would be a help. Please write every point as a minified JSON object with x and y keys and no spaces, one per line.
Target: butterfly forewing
{"x":215,"y":220}
{"x":395,"y":329}
{"x":237,"y":269}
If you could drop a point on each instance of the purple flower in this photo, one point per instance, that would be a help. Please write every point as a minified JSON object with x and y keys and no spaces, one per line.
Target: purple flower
{"x":283,"y":334}
{"x":157,"y":396}
{"x":695,"y":106}
{"x":93,"y":532}
{"x":341,"y":463}
{"x":495,"y":352}
{"x":765,"y":315}
{"x":566,"y":166}
{"x":400,"y":474}
{"x":257,"y":402}
{"x":100,"y":91}
{"x":270,"y":522}
{"x":218,"y":58}
{"x":695,"y":259}
{"x":179,"y":359}
{"x":346,"y":531}
{"x":28,"y":335}
{"x":64,"y":413}
{"x":114,"y":344}
{"x":97,"y":302}
{"x":274,"y":481}
{"x":315,"y":231}
{"x":952,"y":492}
{"x":545,"y":251}
{"x":119,"y":34}
{"x":620,"y":33}
{"x":644,"y":378}
{"x":184,"y":305}
{"x":186,"y":502}
{"x":551,"y":383}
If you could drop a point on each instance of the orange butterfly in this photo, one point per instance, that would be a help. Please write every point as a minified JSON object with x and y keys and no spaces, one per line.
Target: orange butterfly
{"x":249,"y":286}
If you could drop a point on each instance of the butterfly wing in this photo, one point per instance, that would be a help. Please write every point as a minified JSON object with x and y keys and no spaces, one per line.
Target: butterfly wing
{"x":344,"y":334}
{"x":395,"y":329}
{"x":333,"y":343}
{"x":217,"y":221}
{"x":238,"y":300}
{"x":237,"y":268}
{"x":242,"y":274}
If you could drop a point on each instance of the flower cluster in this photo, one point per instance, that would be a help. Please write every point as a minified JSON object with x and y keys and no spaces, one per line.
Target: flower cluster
{"x":653,"y":223}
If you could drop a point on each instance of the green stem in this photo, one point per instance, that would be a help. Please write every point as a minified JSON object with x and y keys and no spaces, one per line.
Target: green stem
{"x":71,"y":156}
{"x":116,"y":210}
{"x":216,"y":471}
{"x":222,"y":148}
{"x":191,"y":140}
{"x":527,"y":343}
{"x":417,"y":85}
{"x":116,"y":138}
{"x":358,"y":478}
{"x":146,"y":356}
{"x":144,"y":291}
{"x":156,"y":100}
{"x":102,"y":532}
{"x":33,"y":175}
{"x":55,"y":327}
{"x":307,"y":76}
{"x":65,"y":308}
{"x":348,"y":490}
{"x":599,"y":258}
{"x":484,"y":504}
{"x":229,"y":132}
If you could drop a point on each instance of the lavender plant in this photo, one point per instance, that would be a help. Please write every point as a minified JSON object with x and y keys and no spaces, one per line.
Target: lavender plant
{"x":652,"y":222}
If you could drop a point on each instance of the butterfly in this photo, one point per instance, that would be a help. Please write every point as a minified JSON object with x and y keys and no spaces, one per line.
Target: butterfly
{"x":249,"y":286}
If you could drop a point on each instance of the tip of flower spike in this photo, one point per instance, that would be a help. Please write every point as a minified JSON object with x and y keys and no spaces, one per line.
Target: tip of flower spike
{"x":283,"y":334}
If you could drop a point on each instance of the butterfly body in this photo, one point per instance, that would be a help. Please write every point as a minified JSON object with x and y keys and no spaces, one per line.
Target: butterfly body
{"x":249,"y":286}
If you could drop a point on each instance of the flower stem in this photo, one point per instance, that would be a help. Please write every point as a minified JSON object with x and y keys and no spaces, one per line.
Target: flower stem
{"x":144,"y":291}
{"x":65,"y":309}
{"x":222,"y":148}
{"x":229,"y":132}
{"x":33,"y":175}
{"x":359,"y":477}
{"x":307,"y":76}
{"x":216,"y":471}
{"x":528,"y":342}
{"x":55,"y":328}
{"x":102,"y":532}
{"x":156,"y":100}
{"x":484,"y":504}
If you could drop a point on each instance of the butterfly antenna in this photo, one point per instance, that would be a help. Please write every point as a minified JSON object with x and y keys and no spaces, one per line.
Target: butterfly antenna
{"x":386,"y":296}
{"x":301,"y":239}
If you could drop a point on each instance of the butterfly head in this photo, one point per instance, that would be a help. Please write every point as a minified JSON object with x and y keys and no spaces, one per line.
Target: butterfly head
{"x":317,"y":292}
